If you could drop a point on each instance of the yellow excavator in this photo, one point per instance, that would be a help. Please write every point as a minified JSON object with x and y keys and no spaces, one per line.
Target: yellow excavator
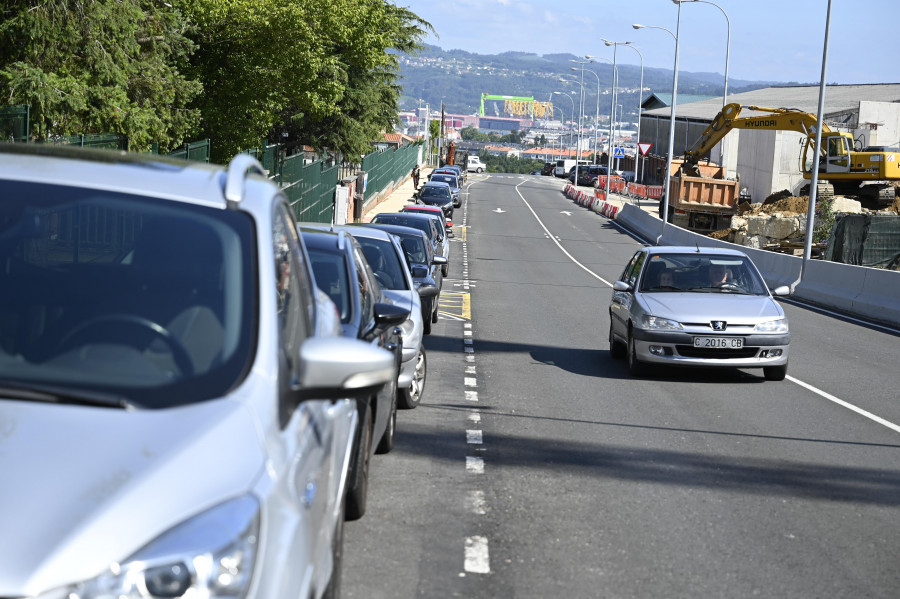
{"x":842,"y":169}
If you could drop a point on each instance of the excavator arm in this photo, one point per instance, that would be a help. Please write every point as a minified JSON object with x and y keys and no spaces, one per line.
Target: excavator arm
{"x":782,"y":119}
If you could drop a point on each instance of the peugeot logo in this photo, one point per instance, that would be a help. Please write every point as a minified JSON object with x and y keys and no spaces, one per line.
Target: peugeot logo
{"x":718,"y":325}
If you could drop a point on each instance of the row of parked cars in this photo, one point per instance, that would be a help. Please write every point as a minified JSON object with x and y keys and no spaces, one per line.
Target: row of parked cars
{"x":443,"y":189}
{"x":192,"y":384}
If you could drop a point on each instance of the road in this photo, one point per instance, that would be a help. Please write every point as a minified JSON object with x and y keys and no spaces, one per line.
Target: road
{"x":537,"y":467}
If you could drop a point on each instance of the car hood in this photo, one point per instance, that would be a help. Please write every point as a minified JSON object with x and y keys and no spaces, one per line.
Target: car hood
{"x":85,"y":487}
{"x":703,"y":307}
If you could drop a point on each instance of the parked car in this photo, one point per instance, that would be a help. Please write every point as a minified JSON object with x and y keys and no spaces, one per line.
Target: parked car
{"x":432,"y":211}
{"x":424,"y":266}
{"x":437,"y":193}
{"x":588,"y":175}
{"x":456,"y":169}
{"x":428,"y":224}
{"x":174,"y":422}
{"x":451,"y":179}
{"x":425,"y":209}
{"x":690,"y":306}
{"x":385,"y":255}
{"x":547,"y":169}
{"x":343,"y":273}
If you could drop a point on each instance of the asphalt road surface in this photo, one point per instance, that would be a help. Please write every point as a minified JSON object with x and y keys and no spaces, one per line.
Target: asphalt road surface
{"x":536,"y":466}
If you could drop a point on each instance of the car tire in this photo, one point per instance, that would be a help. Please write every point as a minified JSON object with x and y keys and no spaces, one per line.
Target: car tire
{"x":410,"y":397}
{"x":617,"y":349}
{"x":358,"y":490}
{"x":479,"y":170}
{"x":333,"y":590}
{"x":635,"y":366}
{"x":386,"y":444}
{"x":445,"y":270}
{"x":775,"y":373}
{"x":434,"y":313}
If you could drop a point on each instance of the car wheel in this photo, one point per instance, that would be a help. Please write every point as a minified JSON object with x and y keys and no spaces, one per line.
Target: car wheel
{"x":410,"y":397}
{"x":479,"y":170}
{"x":617,"y":349}
{"x":387,"y":440}
{"x":359,"y":474}
{"x":635,"y":366}
{"x":445,"y":270}
{"x":434,"y":313}
{"x":333,"y":590}
{"x":775,"y":373}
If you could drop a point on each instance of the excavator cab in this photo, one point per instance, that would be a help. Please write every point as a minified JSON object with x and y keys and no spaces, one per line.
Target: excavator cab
{"x":835,"y":153}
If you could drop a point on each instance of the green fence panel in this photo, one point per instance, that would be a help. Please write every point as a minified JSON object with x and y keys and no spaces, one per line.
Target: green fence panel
{"x":309,"y":189}
{"x":195,"y":150}
{"x":103,"y":141}
{"x":387,"y":167}
{"x":14,"y":123}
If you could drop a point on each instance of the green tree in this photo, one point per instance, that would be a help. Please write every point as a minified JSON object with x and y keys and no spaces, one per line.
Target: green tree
{"x":99,"y":67}
{"x":326,"y":77}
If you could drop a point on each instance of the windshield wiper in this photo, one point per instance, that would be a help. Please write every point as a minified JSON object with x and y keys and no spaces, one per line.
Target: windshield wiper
{"x":62,"y":395}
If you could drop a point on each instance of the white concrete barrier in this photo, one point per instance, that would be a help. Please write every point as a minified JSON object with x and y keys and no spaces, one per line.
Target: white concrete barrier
{"x":869,"y":293}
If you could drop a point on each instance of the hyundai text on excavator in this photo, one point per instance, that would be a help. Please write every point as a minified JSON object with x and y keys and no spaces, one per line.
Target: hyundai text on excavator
{"x":842,"y":169}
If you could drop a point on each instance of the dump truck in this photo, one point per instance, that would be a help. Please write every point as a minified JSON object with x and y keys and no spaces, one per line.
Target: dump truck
{"x":702,"y":203}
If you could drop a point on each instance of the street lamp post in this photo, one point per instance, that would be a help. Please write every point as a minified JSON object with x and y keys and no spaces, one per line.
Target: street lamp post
{"x":612,"y":110}
{"x":637,"y":158}
{"x":665,"y":203}
{"x":727,"y":51}
{"x":564,"y":114}
{"x":612,"y":87}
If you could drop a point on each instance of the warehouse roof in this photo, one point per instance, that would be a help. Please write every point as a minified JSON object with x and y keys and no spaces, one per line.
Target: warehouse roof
{"x":838,"y":98}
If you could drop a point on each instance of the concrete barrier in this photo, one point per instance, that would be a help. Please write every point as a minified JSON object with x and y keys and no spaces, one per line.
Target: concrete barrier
{"x":869,"y":293}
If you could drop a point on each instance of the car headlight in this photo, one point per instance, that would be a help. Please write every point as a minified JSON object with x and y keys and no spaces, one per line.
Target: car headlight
{"x":660,"y":324}
{"x":772,"y":326}
{"x":407,"y":328}
{"x":211,"y":555}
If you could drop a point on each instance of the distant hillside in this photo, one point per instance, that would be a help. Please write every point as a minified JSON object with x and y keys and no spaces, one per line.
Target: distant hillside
{"x":460,"y":77}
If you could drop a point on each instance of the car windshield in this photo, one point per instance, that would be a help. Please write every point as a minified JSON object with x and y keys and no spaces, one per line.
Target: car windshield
{"x":701,"y":273}
{"x":449,"y":179}
{"x":107,"y":293}
{"x":385,"y":262}
{"x":331,"y":277}
{"x":434,"y":192}
{"x":414,"y":248}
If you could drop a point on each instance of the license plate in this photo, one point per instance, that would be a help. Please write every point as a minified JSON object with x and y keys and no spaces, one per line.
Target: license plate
{"x":719,"y":342}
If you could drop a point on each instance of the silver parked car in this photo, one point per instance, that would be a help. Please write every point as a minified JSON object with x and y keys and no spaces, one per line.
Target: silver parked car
{"x":169,"y":407}
{"x":694,"y":306}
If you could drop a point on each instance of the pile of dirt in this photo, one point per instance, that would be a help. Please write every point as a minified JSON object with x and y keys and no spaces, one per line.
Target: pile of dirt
{"x":726,"y":234}
{"x":776,"y":203}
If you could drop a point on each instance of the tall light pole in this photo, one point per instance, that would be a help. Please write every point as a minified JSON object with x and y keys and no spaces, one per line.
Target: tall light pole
{"x":612,"y":110}
{"x":612,"y":86}
{"x":727,"y":51}
{"x":637,"y":157}
{"x":665,"y":206}
{"x":597,"y":116}
{"x":578,"y":137}
{"x":564,"y":114}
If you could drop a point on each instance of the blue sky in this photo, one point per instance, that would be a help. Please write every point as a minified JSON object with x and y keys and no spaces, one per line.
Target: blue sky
{"x":771,"y":40}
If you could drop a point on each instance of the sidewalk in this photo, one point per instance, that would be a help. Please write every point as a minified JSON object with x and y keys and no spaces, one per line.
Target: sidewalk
{"x":400,"y":197}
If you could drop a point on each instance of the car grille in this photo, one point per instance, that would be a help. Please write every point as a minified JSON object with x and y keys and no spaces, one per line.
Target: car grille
{"x":689,"y":351}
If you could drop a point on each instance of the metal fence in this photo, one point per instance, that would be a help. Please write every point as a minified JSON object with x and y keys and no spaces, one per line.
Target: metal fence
{"x":14,"y":123}
{"x":309,"y":187}
{"x":387,"y":167}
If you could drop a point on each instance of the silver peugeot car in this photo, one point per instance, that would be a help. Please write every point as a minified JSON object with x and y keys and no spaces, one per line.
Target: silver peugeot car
{"x":692,"y":306}
{"x":171,"y":417}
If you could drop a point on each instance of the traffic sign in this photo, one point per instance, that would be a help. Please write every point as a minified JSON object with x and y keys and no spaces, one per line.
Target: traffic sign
{"x":619,"y":153}
{"x":644,"y":148}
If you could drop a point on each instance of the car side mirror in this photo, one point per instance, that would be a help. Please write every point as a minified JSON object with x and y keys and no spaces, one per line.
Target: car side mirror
{"x":621,"y":286}
{"x":783,"y":290}
{"x":338,"y":367}
{"x":389,"y":315}
{"x":418,"y":272}
{"x":440,"y":260}
{"x":428,"y":290}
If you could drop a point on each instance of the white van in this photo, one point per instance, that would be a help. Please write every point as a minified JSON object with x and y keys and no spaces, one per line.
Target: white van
{"x":475,"y":165}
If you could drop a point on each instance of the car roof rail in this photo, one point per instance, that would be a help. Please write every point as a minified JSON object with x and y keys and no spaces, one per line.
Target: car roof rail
{"x":343,"y":239}
{"x":238,"y":168}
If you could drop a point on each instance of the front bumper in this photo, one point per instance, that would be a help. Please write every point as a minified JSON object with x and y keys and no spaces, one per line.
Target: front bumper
{"x":677,"y":348}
